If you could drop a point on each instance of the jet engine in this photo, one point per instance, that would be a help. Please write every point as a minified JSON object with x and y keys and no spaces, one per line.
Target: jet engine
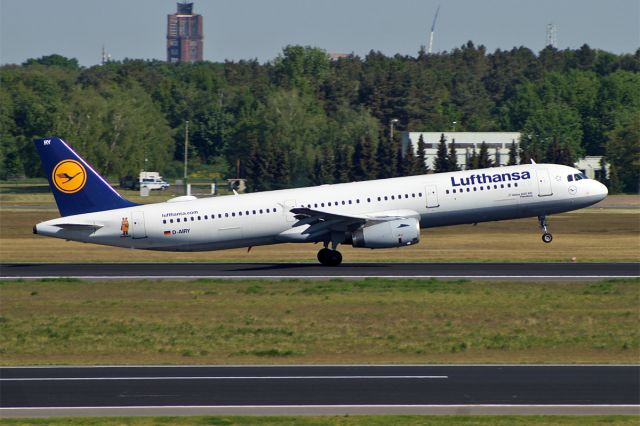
{"x":389,"y":234}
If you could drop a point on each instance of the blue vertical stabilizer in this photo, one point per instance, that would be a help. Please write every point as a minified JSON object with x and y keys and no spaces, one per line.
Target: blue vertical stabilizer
{"x":76,"y":186}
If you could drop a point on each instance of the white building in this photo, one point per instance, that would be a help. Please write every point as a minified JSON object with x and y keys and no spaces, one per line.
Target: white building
{"x":498,"y":144}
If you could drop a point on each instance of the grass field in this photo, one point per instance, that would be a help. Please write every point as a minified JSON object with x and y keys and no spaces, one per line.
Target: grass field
{"x":334,"y":421}
{"x":589,"y":235}
{"x":298,"y":321}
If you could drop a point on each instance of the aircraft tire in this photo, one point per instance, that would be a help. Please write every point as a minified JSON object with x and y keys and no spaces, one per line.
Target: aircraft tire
{"x":329,"y":257}
{"x":547,"y":238}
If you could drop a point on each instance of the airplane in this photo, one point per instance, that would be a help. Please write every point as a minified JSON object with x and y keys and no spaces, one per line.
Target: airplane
{"x":375,"y":214}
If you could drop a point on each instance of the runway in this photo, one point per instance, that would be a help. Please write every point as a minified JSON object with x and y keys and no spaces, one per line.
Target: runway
{"x":563,"y":271}
{"x":40,"y":391}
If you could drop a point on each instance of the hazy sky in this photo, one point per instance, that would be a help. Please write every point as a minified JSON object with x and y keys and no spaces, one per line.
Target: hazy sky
{"x":247,"y":29}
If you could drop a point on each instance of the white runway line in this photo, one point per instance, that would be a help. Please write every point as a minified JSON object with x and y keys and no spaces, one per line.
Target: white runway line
{"x":53,"y":379}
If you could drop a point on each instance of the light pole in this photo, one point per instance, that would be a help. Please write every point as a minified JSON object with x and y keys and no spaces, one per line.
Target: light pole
{"x":393,"y":121}
{"x":186,"y":154}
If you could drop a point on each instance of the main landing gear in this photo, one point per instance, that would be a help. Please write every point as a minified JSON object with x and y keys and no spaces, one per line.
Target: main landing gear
{"x":328,"y":257}
{"x":546,"y":236}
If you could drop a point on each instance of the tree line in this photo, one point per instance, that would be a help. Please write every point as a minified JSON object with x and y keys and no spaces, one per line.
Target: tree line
{"x":303,"y":119}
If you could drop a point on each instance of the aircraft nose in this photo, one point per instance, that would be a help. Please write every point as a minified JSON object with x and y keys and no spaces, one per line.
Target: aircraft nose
{"x":600,"y":190}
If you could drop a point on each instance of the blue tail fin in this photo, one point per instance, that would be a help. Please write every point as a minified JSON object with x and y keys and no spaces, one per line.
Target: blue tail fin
{"x":76,"y":187}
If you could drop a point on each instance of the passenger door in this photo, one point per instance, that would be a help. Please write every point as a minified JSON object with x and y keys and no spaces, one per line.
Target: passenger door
{"x":544,"y":183}
{"x":432,"y":196}
{"x":138,"y":229}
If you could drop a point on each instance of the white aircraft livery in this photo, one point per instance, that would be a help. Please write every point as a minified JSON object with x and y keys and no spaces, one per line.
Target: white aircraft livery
{"x":373,"y":214}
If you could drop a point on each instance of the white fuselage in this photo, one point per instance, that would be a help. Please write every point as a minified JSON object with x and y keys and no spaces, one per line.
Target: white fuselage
{"x":265,"y":218}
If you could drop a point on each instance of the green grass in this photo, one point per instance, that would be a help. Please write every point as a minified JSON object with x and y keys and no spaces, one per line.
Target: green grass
{"x":332,"y":420}
{"x":335,"y":321}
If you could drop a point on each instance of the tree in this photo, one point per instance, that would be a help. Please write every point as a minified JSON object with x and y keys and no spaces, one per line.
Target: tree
{"x":408,"y":166}
{"x":452,"y":157}
{"x":364,"y":165}
{"x":343,"y":164}
{"x":472,"y":160}
{"x":387,"y":158}
{"x":483,"y":157}
{"x":623,"y":152}
{"x":441,"y":161}
{"x":423,"y":167}
{"x":56,"y":61}
{"x":513,"y":154}
{"x":555,"y":120}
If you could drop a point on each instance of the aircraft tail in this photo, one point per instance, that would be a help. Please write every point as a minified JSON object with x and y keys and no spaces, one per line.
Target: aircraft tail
{"x":76,"y":186}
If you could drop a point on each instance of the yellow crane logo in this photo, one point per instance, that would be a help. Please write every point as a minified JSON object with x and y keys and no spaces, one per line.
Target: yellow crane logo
{"x":69,"y":176}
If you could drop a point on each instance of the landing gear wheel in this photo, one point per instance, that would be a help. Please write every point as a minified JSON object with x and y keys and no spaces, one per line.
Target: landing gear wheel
{"x":329,"y":257}
{"x":546,"y":236}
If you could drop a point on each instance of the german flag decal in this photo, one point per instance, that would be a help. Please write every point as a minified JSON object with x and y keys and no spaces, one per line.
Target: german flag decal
{"x":167,"y":232}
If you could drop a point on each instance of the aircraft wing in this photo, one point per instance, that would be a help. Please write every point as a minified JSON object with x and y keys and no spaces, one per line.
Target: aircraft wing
{"x":303,"y":213}
{"x":321,"y":222}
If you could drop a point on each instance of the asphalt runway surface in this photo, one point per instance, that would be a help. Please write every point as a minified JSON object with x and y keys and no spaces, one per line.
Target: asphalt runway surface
{"x":588,"y":389}
{"x":562,"y":271}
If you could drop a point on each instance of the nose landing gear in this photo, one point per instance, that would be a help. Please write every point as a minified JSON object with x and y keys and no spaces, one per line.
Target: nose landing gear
{"x":546,"y":235}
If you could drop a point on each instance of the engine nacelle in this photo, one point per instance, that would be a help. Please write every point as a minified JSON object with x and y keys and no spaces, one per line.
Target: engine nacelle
{"x":394,"y":233}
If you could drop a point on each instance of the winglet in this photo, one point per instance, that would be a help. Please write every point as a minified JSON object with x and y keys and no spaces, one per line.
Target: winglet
{"x":76,"y":186}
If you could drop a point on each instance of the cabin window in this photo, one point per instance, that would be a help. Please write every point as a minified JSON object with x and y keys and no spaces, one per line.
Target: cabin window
{"x":379,"y":199}
{"x":268,"y":211}
{"x":515,"y":184}
{"x":475,"y":189}
{"x":343,"y":203}
{"x":170,"y":220}
{"x":447,"y":191}
{"x":406,"y":195}
{"x":502,"y":185}
{"x":468,"y":190}
{"x":349,"y":201}
{"x":329,"y":204}
{"x":495,"y":186}
{"x":386,"y":198}
{"x":508,"y":185}
{"x":199,"y":218}
{"x":393,"y":197}
{"x":233,"y":214}
{"x":413,"y":195}
{"x":247,"y":212}
{"x":226,"y":215}
{"x":164,"y":221}
{"x":239,"y":213}
{"x":419,"y":194}
{"x":454,"y":191}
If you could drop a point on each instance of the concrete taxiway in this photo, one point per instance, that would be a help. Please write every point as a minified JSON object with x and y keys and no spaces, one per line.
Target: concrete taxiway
{"x":300,"y":390}
{"x":559,"y":271}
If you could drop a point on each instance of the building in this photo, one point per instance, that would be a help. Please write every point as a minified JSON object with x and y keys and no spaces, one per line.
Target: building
{"x":498,"y":144}
{"x":184,"y":35}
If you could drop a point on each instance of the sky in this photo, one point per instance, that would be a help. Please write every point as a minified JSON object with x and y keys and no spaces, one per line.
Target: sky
{"x":259,"y":29}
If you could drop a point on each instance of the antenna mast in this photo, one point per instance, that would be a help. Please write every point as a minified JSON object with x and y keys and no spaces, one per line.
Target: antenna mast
{"x":552,"y":35}
{"x":433,"y":27}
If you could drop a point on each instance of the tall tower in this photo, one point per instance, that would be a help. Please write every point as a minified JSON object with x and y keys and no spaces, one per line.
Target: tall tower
{"x":184,"y":35}
{"x":552,"y":35}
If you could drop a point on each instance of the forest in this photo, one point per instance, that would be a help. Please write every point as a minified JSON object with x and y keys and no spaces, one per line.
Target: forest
{"x":303,"y":119}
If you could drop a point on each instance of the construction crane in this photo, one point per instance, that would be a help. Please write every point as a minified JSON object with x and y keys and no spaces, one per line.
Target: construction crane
{"x":433,"y":27}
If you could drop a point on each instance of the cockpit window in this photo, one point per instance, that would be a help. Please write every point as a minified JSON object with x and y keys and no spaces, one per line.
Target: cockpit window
{"x":579,"y":176}
{"x":570,"y":178}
